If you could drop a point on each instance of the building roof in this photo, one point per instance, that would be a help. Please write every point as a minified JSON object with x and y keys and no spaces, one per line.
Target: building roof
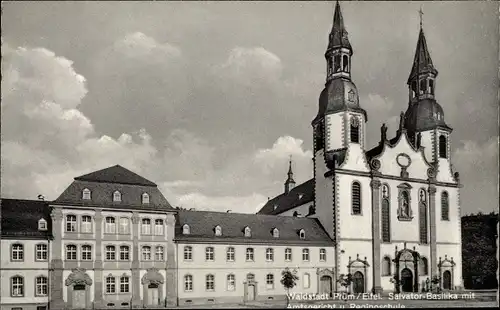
{"x":338,"y":34}
{"x":202,"y":227}
{"x":115,"y":174}
{"x":104,"y":183}
{"x":20,"y":218}
{"x":424,"y":115}
{"x":422,"y":62}
{"x":298,"y":196}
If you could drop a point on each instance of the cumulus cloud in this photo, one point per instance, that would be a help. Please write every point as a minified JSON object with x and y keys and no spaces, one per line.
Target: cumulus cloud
{"x":249,"y":204}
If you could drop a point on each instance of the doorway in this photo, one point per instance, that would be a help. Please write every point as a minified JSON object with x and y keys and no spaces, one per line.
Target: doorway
{"x":326,"y":285}
{"x":79,"y":296}
{"x":358,"y":281}
{"x":406,"y":280}
{"x":153,"y":296}
{"x":251,"y":292}
{"x":447,"y":280}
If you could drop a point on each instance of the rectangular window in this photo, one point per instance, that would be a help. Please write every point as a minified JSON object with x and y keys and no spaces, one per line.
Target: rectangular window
{"x":210,"y":282}
{"x":305,"y":255}
{"x":110,"y":252}
{"x":188,"y":253}
{"x":110,"y":285}
{"x":124,"y":285}
{"x":18,"y":252}
{"x":159,"y":253}
{"x":124,"y":252}
{"x":86,"y":252}
{"x":71,"y":252}
{"x":124,"y":225}
{"x":146,"y":227}
{"x":86,"y":226}
{"x":288,"y":254}
{"x":322,"y":255}
{"x":249,"y":255}
{"x":70,"y":223}
{"x":269,"y":255}
{"x":188,"y":283}
{"x":41,"y":252}
{"x":270,"y":281}
{"x":42,"y":286}
{"x":230,"y":254}
{"x":159,"y":227}
{"x":146,"y":253}
{"x":17,"y":287}
{"x":307,"y":280}
{"x":209,"y":254}
{"x":231,"y":282}
{"x":110,"y":225}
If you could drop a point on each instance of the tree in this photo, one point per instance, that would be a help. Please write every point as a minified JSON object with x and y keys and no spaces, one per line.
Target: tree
{"x":289,"y":281}
{"x":345,"y":280}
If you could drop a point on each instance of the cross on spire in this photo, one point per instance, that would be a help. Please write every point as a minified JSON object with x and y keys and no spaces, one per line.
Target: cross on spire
{"x":421,"y":13}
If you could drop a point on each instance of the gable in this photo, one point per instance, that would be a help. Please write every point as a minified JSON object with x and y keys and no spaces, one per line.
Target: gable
{"x":115,"y":174}
{"x":299,"y":195}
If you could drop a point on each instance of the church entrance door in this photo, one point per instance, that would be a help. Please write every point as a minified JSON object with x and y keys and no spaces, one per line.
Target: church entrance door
{"x":447,"y":280}
{"x":358,"y":281}
{"x":406,"y":280}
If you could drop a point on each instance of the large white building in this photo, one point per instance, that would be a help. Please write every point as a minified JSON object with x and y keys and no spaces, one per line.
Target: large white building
{"x":393,"y":211}
{"x":389,"y":216}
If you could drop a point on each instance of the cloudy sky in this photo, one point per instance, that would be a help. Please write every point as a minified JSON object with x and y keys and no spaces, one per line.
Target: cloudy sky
{"x":209,"y":99}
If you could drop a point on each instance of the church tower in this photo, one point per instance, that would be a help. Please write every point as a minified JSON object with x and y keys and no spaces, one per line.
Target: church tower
{"x":290,"y":182}
{"x":424,"y":118}
{"x":340,"y":122}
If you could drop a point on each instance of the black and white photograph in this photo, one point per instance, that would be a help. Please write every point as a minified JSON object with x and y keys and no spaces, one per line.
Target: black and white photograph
{"x":249,"y":154}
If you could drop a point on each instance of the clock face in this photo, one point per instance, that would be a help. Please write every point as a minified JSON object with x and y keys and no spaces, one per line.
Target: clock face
{"x":403,"y":160}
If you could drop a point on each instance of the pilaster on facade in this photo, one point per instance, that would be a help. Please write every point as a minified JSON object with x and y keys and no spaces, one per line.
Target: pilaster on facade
{"x":56,"y":265}
{"x":98,"y":265}
{"x":375,"y":186}
{"x":135,"y":270}
{"x":432,"y":212}
{"x":171,"y":271}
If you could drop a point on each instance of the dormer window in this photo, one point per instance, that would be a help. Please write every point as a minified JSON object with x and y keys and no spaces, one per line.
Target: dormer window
{"x":276,"y":233}
{"x":275,"y":207}
{"x":145,"y":198}
{"x":350,"y":95}
{"x":218,"y":231}
{"x":302,"y":234}
{"x":42,"y":224}
{"x":248,"y":232}
{"x":117,"y":196}
{"x":300,"y":196}
{"x":86,"y":194}
{"x":185,"y":229}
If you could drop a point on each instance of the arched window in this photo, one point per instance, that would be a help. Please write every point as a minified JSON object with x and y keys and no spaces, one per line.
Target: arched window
{"x":288,"y":254}
{"x":423,"y":221}
{"x":111,"y":252}
{"x":146,"y":253}
{"x":336,"y":61}
{"x":110,"y":285}
{"x":42,"y":286}
{"x":145,"y":198}
{"x":17,"y":286}
{"x":386,"y":220}
{"x":423,"y":87}
{"x":354,"y":130}
{"x":386,"y":266}
{"x":356,"y":198}
{"x":158,"y":227}
{"x":231,"y":282}
{"x":414,"y":88}
{"x":445,"y":208}
{"x":117,"y":196}
{"x":431,"y":87}
{"x":86,"y":194}
{"x":159,"y":256}
{"x":345,"y":63}
{"x":442,"y":147}
{"x":17,"y":252}
{"x":86,"y":224}
{"x":405,"y":203}
{"x":422,"y":195}
{"x":249,"y":255}
{"x":185,"y":229}
{"x":248,"y":232}
{"x":305,"y":255}
{"x":210,"y":282}
{"x":146,"y":227}
{"x":218,"y":230}
{"x":423,"y":267}
{"x":188,"y":252}
{"x":124,"y":252}
{"x":124,"y":284}
{"x":188,"y":283}
{"x":71,"y":252}
{"x":302,"y":234}
{"x":86,"y":253}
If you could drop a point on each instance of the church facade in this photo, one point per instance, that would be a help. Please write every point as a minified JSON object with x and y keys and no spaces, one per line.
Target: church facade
{"x":389,"y":216}
{"x":393,"y":211}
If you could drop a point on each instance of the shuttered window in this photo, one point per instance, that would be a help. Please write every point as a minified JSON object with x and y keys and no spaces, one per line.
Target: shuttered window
{"x":356,"y":198}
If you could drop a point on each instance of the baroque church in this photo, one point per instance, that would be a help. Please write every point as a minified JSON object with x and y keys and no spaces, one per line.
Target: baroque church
{"x":388,"y":216}
{"x":392,"y":211}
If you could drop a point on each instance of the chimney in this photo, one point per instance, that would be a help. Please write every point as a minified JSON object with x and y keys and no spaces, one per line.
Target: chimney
{"x":41,"y":197}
